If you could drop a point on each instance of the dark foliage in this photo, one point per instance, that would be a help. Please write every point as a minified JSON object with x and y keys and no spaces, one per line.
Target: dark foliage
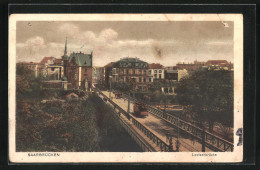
{"x":209,"y":96}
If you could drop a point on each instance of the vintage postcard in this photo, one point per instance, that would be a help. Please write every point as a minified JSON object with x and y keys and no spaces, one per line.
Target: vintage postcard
{"x":108,"y":88}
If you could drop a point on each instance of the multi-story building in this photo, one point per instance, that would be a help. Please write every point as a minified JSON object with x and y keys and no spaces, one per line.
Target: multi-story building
{"x":219,"y":65}
{"x":98,"y":75}
{"x":130,"y":70}
{"x":52,"y":68}
{"x":35,"y":67}
{"x":78,"y":69}
{"x":172,"y":73}
{"x":156,"y":72}
{"x":108,"y":73}
{"x":190,"y":66}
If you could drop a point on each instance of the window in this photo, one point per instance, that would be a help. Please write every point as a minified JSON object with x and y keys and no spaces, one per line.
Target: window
{"x":144,"y":79}
{"x":127,"y":79}
{"x":150,"y":71}
{"x":140,"y":79}
{"x":133,"y":71}
{"x":133,"y":79}
{"x":127,"y":71}
{"x":122,"y":71}
{"x":140,"y":71}
{"x":160,"y":71}
{"x":144,"y":72}
{"x":52,"y":69}
{"x":150,"y":79}
{"x":155,"y":71}
{"x":155,"y":76}
{"x":160,"y":76}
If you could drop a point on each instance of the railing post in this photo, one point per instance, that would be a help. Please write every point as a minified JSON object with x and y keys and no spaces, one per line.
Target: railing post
{"x":170,"y":145}
{"x":203,"y":141}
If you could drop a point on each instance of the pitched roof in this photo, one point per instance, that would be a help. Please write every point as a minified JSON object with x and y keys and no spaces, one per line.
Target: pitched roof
{"x":57,"y":61}
{"x":28,"y":63}
{"x":45,"y":59}
{"x":109,"y":64}
{"x":131,"y":63}
{"x":216,"y":62}
{"x":155,"y":66}
{"x":81,"y":59}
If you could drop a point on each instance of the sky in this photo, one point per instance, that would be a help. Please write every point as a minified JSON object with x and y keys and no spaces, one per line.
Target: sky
{"x":165,"y":42}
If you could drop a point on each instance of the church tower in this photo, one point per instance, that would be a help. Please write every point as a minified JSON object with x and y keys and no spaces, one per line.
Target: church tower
{"x":65,"y":50}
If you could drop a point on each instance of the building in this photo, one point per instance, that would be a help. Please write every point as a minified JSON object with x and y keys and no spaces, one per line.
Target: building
{"x":35,"y":67}
{"x":108,"y":73}
{"x":98,"y":75}
{"x":172,"y":73}
{"x":78,"y":69}
{"x":156,"y":71}
{"x":52,"y":68}
{"x":219,"y":65}
{"x":132,"y":71}
{"x":190,"y":66}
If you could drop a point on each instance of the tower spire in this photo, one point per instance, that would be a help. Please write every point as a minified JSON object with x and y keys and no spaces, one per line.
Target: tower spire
{"x":65,"y":51}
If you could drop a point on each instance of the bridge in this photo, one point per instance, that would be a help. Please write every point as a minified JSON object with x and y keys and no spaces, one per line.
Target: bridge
{"x":162,"y":132}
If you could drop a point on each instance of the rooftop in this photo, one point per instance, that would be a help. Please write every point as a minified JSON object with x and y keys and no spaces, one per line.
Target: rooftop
{"x":131,"y":62}
{"x":81,"y":59}
{"x":155,"y":66}
{"x":46,"y":59}
{"x":216,"y":62}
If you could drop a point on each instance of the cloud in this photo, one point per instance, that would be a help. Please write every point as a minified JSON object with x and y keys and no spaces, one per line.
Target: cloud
{"x":69,"y":29}
{"x":107,"y":46}
{"x":108,"y":35}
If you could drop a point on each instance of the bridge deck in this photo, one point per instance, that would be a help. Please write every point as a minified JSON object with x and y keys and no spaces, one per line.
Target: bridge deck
{"x":160,"y":128}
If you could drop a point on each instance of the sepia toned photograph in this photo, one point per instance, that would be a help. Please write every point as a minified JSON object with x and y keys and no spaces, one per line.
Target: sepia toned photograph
{"x":125,"y":88}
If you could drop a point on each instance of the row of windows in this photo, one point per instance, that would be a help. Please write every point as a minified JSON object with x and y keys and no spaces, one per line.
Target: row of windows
{"x":155,"y":76}
{"x":131,"y":71}
{"x":140,"y":79}
{"x":155,"y":71}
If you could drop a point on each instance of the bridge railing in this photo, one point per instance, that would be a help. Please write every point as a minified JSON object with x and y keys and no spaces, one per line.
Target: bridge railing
{"x":156,"y":140}
{"x":212,"y":141}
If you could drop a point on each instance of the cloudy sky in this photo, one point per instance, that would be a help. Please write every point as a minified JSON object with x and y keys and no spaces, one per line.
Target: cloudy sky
{"x":154,"y":41}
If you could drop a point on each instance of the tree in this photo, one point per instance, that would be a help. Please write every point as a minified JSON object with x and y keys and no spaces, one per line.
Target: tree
{"x":23,"y":79}
{"x":210,"y":95}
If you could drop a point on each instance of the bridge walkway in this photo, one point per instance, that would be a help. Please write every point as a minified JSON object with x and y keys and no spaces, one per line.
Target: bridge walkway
{"x":160,"y":128}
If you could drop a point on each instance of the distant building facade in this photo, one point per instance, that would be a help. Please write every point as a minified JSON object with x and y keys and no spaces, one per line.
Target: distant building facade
{"x":98,"y":75}
{"x":35,"y":67}
{"x":156,"y":71}
{"x":190,"y":66}
{"x":219,"y":65}
{"x":77,"y":69}
{"x":172,"y":73}
{"x":129,"y":70}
